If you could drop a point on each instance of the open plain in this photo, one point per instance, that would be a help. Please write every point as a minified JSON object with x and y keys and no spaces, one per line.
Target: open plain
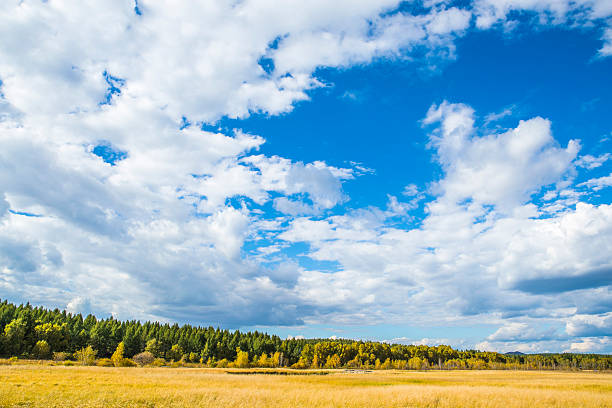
{"x":57,"y":386}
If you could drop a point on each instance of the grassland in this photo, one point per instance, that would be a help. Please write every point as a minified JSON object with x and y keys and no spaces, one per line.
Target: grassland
{"x":57,"y":386}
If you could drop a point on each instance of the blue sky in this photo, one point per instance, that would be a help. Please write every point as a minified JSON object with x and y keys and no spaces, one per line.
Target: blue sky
{"x":419,"y":172}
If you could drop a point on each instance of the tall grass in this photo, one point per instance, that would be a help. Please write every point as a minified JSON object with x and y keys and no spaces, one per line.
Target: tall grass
{"x":49,"y":386}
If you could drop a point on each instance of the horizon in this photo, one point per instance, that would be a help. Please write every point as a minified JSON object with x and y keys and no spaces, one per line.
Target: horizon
{"x":288,"y":338}
{"x":434,"y":172}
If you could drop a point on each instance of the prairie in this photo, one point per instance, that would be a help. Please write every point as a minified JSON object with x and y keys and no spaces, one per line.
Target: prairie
{"x":59,"y":386}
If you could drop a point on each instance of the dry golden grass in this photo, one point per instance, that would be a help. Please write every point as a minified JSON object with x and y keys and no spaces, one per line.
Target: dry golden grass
{"x":47,"y":386}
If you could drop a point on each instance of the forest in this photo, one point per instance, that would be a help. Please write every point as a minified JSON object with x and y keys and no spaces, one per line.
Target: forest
{"x":28,"y":332}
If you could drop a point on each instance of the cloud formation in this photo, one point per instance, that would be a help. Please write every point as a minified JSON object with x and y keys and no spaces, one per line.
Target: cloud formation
{"x":114,"y":200}
{"x":483,"y":226}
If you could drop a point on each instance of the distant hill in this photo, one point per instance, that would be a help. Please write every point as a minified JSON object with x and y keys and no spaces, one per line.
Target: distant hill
{"x":514,"y":353}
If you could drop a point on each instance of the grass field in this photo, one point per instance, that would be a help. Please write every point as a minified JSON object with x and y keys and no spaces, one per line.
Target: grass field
{"x":49,"y":386}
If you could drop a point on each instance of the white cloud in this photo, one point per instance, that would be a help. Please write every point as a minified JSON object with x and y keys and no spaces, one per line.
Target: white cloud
{"x":519,"y":331}
{"x":590,"y":325}
{"x":548,"y":12}
{"x":4,"y":206}
{"x":298,"y":337}
{"x":494,"y":117}
{"x":79,"y":305}
{"x":589,"y":345}
{"x":490,"y":12}
{"x":320,"y":182}
{"x":448,"y":21}
{"x":592,"y":162}
{"x":425,"y":341}
{"x":606,"y":49}
{"x":598,"y":183}
{"x":502,"y":170}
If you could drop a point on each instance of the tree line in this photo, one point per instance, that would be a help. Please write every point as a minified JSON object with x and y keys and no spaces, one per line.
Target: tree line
{"x":40,"y":333}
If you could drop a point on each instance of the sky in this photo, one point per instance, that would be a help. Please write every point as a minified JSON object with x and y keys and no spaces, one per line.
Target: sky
{"x":422,"y":172}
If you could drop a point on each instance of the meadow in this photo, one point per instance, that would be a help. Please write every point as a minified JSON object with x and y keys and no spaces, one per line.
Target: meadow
{"x":59,"y":386}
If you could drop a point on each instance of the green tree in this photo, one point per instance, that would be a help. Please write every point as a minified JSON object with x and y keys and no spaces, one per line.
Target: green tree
{"x":14,"y":336}
{"x":41,"y":350}
{"x":131,"y":341}
{"x":56,"y":335}
{"x":154,"y":347}
{"x":100,"y":338}
{"x":175,"y":353}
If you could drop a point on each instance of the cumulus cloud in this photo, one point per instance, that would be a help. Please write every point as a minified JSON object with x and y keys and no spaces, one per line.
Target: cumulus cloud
{"x":520,"y":161}
{"x":481,"y":226}
{"x":319,"y":182}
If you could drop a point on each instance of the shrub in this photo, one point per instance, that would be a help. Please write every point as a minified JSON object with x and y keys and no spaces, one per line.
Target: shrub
{"x":128,"y":362}
{"x":144,"y":358}
{"x":69,"y":363}
{"x":86,"y":356}
{"x":105,"y":362}
{"x":158,"y":362}
{"x":176,"y":364}
{"x":223,"y":363}
{"x":59,"y":356}
{"x":41,"y":350}
{"x":12,"y":360}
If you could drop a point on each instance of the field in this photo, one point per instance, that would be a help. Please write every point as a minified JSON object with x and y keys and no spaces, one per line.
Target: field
{"x":58,"y":386}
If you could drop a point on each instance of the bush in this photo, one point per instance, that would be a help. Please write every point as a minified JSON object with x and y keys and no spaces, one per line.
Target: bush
{"x":12,"y":360}
{"x":144,"y":358}
{"x":86,"y":356}
{"x":128,"y":362}
{"x":223,"y":363}
{"x":69,"y":363}
{"x":158,"y":362}
{"x":124,"y":362}
{"x":193,"y":357}
{"x":59,"y":356}
{"x":41,"y":350}
{"x":105,"y":362}
{"x":180,"y":363}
